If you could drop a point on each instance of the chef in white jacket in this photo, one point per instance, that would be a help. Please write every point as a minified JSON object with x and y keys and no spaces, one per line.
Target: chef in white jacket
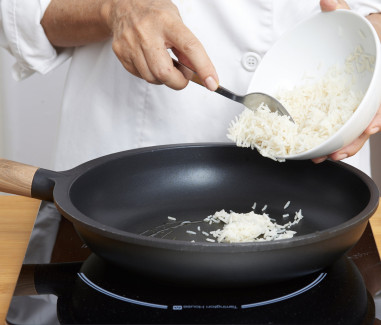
{"x":122,"y":89}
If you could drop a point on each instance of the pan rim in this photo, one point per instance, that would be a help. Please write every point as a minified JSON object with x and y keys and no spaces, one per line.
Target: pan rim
{"x":79,"y":220}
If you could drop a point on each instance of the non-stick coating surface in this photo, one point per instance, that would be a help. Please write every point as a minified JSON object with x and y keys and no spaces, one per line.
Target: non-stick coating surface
{"x":139,"y":193}
{"x":132,"y":193}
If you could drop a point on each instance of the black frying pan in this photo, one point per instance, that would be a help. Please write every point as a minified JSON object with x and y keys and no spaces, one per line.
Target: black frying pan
{"x":120,"y":204}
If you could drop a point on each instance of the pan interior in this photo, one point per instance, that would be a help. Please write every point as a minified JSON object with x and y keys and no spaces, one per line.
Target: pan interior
{"x":137,"y":192}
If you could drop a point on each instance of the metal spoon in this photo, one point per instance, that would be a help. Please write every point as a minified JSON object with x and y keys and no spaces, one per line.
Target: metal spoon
{"x":251,"y":101}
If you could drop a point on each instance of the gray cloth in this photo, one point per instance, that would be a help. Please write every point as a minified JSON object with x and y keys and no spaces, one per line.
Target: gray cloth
{"x":38,"y":310}
{"x":377,"y":302}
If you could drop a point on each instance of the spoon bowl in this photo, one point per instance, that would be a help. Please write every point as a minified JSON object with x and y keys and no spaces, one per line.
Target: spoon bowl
{"x":251,"y":101}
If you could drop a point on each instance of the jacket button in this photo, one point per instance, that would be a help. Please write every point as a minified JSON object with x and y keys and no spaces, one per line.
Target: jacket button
{"x":250,"y":61}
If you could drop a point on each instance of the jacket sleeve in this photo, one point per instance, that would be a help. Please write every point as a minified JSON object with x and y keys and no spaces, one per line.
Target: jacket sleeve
{"x":22,"y":35}
{"x":365,"y":7}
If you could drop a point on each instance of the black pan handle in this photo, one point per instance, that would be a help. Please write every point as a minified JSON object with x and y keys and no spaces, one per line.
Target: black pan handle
{"x":43,"y":184}
{"x":26,"y":180}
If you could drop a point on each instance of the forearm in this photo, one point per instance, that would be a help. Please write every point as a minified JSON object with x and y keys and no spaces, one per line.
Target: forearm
{"x":76,"y":22}
{"x":375,"y":20}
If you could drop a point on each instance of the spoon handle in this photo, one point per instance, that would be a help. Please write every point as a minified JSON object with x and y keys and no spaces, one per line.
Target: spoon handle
{"x":229,"y":94}
{"x":187,"y":72}
{"x":193,"y":76}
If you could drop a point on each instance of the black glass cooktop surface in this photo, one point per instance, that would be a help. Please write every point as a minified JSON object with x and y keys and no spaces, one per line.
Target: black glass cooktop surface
{"x":98,"y":293}
{"x":92,"y":291}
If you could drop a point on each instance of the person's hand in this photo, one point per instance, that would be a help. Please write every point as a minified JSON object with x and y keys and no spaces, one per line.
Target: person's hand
{"x":144,"y":30}
{"x":356,"y":145}
{"x":330,"y":5}
{"x":374,"y":126}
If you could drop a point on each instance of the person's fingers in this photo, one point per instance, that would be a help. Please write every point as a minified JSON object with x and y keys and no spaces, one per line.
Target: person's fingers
{"x":356,"y":145}
{"x":161,"y":66}
{"x":140,"y":28}
{"x":320,"y":159}
{"x":190,"y":52}
{"x":375,"y":126}
{"x":341,"y":4}
{"x":350,"y":149}
{"x":330,"y":5}
{"x":345,"y":152}
{"x":142,"y":66}
{"x":126,"y":61}
{"x":122,"y":46}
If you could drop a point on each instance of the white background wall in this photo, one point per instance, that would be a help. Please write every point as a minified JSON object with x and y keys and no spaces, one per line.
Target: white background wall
{"x":29,"y":112}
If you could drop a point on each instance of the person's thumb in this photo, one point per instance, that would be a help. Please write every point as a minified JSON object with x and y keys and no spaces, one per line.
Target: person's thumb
{"x":330,"y":5}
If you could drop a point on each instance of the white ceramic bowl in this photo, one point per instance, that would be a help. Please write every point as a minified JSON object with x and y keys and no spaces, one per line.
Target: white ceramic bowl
{"x":315,"y":45}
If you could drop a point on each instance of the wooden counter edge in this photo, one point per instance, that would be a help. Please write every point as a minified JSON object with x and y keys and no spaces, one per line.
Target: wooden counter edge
{"x":17,"y":217}
{"x":375,"y":222}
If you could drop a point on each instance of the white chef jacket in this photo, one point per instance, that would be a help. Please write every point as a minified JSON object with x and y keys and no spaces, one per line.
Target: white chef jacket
{"x":105,"y":109}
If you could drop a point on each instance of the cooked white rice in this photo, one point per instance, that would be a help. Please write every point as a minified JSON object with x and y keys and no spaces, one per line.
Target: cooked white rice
{"x":250,"y":227}
{"x":318,"y":107}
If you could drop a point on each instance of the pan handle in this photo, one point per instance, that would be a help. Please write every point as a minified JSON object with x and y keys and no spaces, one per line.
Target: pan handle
{"x":16,"y":178}
{"x":26,"y":180}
